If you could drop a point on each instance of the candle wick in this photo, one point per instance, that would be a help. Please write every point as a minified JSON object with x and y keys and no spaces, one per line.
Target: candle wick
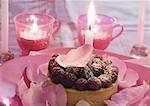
{"x":90,"y":27}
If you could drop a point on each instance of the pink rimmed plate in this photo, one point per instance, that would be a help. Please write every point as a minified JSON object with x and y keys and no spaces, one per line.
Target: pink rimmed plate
{"x":17,"y":65}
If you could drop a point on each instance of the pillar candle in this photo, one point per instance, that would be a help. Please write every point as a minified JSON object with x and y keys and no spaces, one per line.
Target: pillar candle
{"x":4,"y":26}
{"x":140,"y":26}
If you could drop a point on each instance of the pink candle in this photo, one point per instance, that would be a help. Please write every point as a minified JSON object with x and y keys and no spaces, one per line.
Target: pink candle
{"x":4,"y":26}
{"x":140,"y":26}
{"x":89,"y":35}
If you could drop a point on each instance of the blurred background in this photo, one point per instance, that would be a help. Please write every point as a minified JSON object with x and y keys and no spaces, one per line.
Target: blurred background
{"x":67,"y":11}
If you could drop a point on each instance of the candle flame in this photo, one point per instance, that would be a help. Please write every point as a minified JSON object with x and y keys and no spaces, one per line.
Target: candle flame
{"x":34,"y":26}
{"x":6,"y":101}
{"x":91,"y":15}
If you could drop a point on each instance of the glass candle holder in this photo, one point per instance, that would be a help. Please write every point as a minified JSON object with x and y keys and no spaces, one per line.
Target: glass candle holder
{"x":103,"y":30}
{"x":33,"y":31}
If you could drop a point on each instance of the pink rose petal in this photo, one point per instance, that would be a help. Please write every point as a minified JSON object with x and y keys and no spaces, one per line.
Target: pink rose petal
{"x":145,"y":101}
{"x":50,"y":95}
{"x":22,"y":88}
{"x":129,"y":96}
{"x":111,"y":103}
{"x":34,"y":74}
{"x":130,"y":79}
{"x":61,"y":95}
{"x":34,"y":96}
{"x":76,"y":57}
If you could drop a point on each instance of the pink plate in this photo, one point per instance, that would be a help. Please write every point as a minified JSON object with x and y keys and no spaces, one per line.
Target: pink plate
{"x":40,"y":59}
{"x":17,"y":65}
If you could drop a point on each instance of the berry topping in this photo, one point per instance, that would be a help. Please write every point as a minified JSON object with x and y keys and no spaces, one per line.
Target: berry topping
{"x":81,"y":84}
{"x":113,"y":72}
{"x":106,"y":80}
{"x":73,"y":70}
{"x":94,"y":83}
{"x":56,"y":74}
{"x":85,"y":73}
{"x":98,"y":73}
{"x":97,"y":69}
{"x":68,"y":79}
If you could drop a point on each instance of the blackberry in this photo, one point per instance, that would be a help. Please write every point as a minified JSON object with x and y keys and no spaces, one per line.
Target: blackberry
{"x":94,"y":83}
{"x":84,"y":72}
{"x":68,"y":79}
{"x":56,"y":75}
{"x":106,"y":80}
{"x":73,"y":70}
{"x":113,"y":72}
{"x":81,"y":84}
{"x":97,"y":69}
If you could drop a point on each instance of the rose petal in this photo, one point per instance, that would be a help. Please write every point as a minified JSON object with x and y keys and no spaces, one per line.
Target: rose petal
{"x":50,"y":95}
{"x":34,"y":96}
{"x":76,"y":57}
{"x":129,"y":96}
{"x":34,"y":74}
{"x":61,"y":95}
{"x":42,"y":69}
{"x":83,"y":103}
{"x":130,"y":79}
{"x":145,"y":101}
{"x":22,"y":88}
{"x":111,"y":103}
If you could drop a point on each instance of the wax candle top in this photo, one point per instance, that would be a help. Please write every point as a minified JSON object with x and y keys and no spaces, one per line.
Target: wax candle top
{"x":34,"y":33}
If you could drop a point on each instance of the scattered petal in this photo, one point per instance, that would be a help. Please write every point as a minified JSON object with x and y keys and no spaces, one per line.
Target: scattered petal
{"x":83,"y":103}
{"x":61,"y":95}
{"x":130,"y":79}
{"x":34,"y":74}
{"x":145,"y":101}
{"x":111,"y":103}
{"x":129,"y":96}
{"x":76,"y":57}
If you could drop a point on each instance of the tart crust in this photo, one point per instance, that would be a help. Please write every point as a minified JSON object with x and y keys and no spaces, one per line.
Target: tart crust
{"x":94,"y":98}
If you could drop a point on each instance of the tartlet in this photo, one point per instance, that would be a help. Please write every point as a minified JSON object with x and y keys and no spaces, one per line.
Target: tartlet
{"x":94,"y":83}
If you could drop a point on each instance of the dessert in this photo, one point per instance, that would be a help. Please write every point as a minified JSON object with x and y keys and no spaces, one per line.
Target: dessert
{"x":93,"y":83}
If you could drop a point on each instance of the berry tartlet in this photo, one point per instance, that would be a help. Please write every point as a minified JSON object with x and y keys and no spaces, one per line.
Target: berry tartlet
{"x":94,"y":83}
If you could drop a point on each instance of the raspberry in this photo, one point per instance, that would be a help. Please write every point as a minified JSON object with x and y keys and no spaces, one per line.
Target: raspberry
{"x":106,"y":80}
{"x":84,"y":72}
{"x":81,"y":84}
{"x":68,"y":79}
{"x":57,"y":74}
{"x":94,"y":83}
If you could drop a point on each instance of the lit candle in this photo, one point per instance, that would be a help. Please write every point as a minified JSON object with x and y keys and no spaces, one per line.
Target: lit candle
{"x":34,"y":33}
{"x":140,"y":26}
{"x":89,"y":34}
{"x":4,"y":26}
